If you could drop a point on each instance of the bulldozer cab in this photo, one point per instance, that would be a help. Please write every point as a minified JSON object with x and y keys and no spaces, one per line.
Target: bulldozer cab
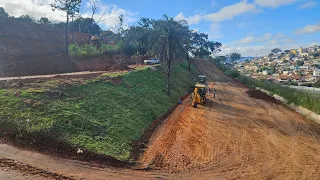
{"x":201,"y":89}
{"x":202,"y":79}
{"x":199,"y":94}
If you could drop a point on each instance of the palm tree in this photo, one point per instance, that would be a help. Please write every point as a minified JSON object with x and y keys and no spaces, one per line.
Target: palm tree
{"x":168,"y":43}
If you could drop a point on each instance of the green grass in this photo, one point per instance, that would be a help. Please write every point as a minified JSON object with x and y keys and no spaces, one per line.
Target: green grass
{"x":99,"y":116}
{"x":301,"y":98}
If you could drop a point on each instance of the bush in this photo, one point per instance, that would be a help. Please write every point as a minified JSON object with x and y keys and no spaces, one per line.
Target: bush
{"x":110,"y":49}
{"x":84,"y":50}
{"x":293,"y":83}
{"x":128,"y":49}
{"x":233,"y":73}
{"x":317,"y":84}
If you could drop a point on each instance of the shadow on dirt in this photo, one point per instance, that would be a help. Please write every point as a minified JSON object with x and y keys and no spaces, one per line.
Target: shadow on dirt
{"x":27,"y":169}
{"x":260,"y":95}
{"x":47,"y":145}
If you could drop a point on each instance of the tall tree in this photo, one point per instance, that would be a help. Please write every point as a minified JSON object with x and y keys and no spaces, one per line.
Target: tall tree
{"x":145,"y":23}
{"x":270,"y":55}
{"x":200,"y":46}
{"x":167,"y":42}
{"x":73,"y":16}
{"x":85,"y":25}
{"x":234,"y":57}
{"x":3,"y":13}
{"x":70,"y":7}
{"x":95,"y":4}
{"x":44,"y":21}
{"x":276,"y":50}
{"x":27,"y":18}
{"x":140,"y":36}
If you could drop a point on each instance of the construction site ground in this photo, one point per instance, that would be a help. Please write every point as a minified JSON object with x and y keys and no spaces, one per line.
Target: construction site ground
{"x":240,"y":134}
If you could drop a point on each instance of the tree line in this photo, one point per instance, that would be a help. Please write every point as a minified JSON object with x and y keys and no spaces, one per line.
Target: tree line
{"x":166,"y":38}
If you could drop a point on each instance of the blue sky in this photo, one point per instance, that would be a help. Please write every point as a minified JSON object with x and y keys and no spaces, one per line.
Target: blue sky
{"x":248,"y":27}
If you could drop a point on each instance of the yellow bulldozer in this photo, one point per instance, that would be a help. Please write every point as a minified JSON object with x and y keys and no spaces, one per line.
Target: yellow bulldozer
{"x":199,"y":92}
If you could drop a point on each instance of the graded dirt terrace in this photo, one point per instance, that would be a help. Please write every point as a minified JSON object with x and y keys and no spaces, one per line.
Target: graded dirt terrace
{"x":240,"y":134}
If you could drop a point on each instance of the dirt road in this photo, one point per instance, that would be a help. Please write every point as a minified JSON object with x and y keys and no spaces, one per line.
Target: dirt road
{"x":240,"y":134}
{"x":236,"y":136}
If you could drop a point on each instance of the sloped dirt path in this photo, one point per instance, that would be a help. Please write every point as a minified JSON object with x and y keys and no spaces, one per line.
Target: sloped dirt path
{"x":240,"y":134}
{"x":236,"y":136}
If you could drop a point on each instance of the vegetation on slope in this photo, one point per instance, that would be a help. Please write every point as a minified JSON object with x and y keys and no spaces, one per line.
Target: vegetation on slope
{"x":103,"y":117}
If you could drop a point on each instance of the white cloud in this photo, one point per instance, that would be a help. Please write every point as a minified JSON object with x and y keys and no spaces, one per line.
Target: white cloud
{"x":267,"y":42}
{"x":252,"y":39}
{"x":215,"y":32}
{"x":229,"y":12}
{"x":273,"y":42}
{"x":274,"y":3}
{"x":41,"y":8}
{"x":242,"y":24}
{"x":309,"y":29}
{"x":111,"y":17}
{"x":225,"y":13}
{"x":254,"y":50}
{"x":308,"y":5}
{"x":34,"y":8}
{"x":215,"y":3}
{"x":247,"y":40}
{"x":191,"y":20}
{"x":262,"y":50}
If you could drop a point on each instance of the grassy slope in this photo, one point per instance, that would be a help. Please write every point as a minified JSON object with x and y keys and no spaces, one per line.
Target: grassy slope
{"x":301,"y":98}
{"x":99,"y":116}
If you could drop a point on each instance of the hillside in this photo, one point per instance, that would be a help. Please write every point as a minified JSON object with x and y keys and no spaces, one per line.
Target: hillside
{"x":25,"y":48}
{"x":20,"y":40}
{"x":103,"y":114}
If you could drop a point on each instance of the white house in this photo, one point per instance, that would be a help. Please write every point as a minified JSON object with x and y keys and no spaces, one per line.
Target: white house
{"x":265,"y":72}
{"x":304,"y":54}
{"x":316,"y":72}
{"x":304,"y":67}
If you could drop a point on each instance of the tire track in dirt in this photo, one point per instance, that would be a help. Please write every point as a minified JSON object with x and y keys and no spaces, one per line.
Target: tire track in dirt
{"x":31,"y":170}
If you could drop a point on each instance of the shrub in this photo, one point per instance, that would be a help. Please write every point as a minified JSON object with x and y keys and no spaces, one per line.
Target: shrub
{"x":83,"y":50}
{"x":233,"y":73}
{"x":293,"y":83}
{"x":110,"y":49}
{"x":317,"y":84}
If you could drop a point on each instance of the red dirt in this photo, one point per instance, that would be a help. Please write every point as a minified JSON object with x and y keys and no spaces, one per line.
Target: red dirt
{"x":12,"y":165}
{"x":235,"y":136}
{"x":139,"y":146}
{"x":34,"y":49}
{"x":260,"y":95}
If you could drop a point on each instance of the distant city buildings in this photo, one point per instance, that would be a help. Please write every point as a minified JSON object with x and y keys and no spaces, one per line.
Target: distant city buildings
{"x":296,"y":66}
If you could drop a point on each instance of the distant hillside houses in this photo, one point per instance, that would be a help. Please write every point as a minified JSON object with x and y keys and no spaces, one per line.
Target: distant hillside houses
{"x":295,"y":66}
